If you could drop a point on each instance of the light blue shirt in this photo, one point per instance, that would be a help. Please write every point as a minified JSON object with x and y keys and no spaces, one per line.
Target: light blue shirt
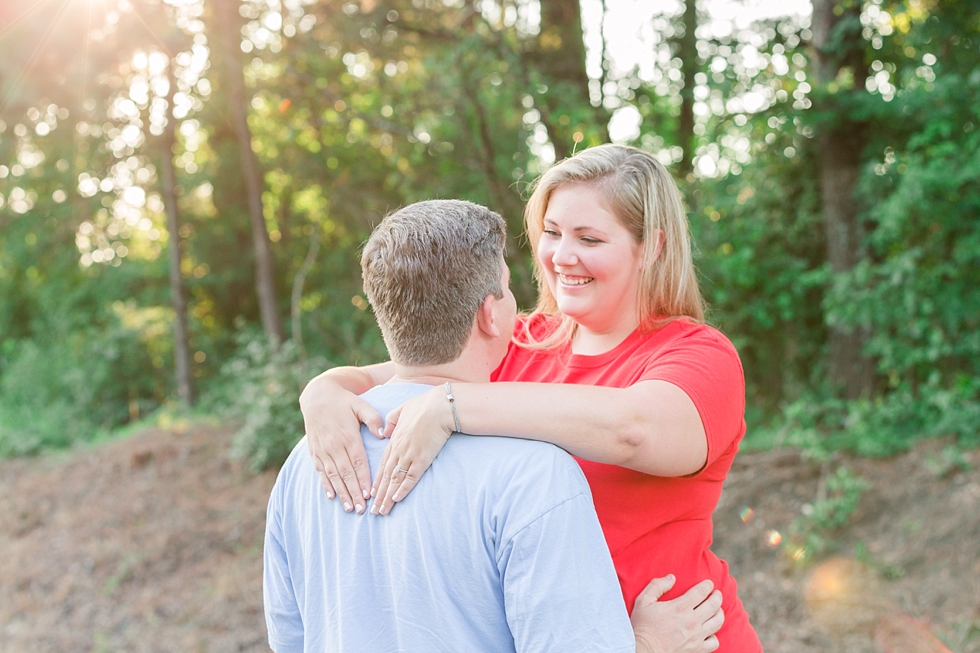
{"x":497,"y":548}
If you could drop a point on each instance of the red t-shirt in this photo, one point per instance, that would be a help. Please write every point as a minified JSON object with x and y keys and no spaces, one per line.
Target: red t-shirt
{"x":656,"y":525}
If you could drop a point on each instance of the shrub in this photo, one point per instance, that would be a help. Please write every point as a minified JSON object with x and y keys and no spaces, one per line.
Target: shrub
{"x":877,"y":427}
{"x":259,"y":388}
{"x":59,"y":390}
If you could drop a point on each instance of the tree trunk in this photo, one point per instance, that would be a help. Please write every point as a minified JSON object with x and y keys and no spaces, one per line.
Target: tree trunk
{"x":296,"y":298}
{"x":229,"y":22}
{"x":168,"y":178}
{"x":687,"y":51}
{"x":560,"y":60}
{"x":505,"y":201}
{"x":839,"y":46}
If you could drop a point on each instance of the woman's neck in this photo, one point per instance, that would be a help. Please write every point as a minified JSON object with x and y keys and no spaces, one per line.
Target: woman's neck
{"x":586,"y":342}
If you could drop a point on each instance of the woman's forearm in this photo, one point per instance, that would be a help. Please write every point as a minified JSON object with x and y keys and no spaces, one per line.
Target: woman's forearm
{"x":353,"y":379}
{"x":652,"y":427}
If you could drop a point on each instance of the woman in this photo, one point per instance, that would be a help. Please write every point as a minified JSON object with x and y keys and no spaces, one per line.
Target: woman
{"x":615,"y":365}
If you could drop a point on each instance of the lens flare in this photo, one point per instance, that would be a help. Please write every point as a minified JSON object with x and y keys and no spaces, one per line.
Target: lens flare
{"x":746,"y":514}
{"x":774,"y":538}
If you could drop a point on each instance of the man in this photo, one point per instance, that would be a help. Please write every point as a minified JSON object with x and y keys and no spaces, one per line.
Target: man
{"x":498,"y":547}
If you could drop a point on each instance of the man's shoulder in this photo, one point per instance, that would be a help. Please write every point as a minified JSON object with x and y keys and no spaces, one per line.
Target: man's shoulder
{"x":515,"y":454}
{"x":520,"y":480}
{"x":296,"y":465}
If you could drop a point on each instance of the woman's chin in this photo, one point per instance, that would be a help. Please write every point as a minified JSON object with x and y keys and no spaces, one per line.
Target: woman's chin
{"x":583,"y":316}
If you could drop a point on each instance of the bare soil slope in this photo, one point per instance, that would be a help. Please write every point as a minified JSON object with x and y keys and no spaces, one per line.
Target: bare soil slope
{"x":153,"y":543}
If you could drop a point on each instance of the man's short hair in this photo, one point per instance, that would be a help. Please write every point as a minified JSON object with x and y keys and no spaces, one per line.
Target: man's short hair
{"x":427,"y":269}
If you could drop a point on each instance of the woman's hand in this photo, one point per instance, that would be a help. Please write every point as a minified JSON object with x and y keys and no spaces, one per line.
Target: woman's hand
{"x":418,"y":430}
{"x":333,"y":418}
{"x":686,"y":624}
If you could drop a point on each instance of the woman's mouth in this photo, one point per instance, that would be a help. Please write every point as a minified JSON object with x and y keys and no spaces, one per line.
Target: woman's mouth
{"x":571,"y":280}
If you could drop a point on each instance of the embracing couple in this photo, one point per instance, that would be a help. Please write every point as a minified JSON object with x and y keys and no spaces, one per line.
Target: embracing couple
{"x":509,"y":543}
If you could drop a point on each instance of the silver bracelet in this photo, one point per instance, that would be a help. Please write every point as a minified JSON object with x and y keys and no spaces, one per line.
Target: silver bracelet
{"x":452,"y":405}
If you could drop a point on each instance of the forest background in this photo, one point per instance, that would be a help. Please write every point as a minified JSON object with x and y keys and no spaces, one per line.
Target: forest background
{"x":185,"y":185}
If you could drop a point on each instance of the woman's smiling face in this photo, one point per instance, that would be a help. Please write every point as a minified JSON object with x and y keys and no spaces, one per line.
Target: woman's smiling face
{"x":590,"y":260}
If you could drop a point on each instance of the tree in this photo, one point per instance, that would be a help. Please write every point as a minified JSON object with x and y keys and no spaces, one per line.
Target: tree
{"x":839,"y":69}
{"x":228,"y":37}
{"x":557,"y":59}
{"x":687,"y":51}
{"x":168,"y":179}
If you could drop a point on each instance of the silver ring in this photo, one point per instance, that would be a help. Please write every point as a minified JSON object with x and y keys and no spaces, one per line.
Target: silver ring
{"x":399,"y":469}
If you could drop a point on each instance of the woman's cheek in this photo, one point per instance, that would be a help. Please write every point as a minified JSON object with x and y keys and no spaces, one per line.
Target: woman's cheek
{"x":545,"y":256}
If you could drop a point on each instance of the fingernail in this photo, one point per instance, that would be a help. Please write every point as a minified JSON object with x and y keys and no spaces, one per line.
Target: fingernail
{"x":360,"y":509}
{"x":372,"y":492}
{"x":367,"y":495}
{"x":347,"y":506}
{"x":396,"y":498}
{"x":330,"y":495}
{"x":374,"y":510}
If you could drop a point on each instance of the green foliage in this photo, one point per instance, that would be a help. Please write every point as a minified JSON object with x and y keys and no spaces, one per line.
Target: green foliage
{"x":56,"y":392}
{"x":881,"y":426}
{"x":759,"y":237}
{"x":259,"y":389}
{"x":885,"y":570}
{"x":949,"y":461}
{"x":356,"y":109}
{"x":811,"y":533}
{"x":919,"y":291}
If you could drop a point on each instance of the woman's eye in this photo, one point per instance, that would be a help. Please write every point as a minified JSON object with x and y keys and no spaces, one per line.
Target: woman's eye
{"x":550,"y":232}
{"x":590,"y":241}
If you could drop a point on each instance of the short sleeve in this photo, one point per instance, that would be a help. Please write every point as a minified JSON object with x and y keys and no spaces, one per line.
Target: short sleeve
{"x":560,"y":587}
{"x":704,"y":364}
{"x":282,"y":616}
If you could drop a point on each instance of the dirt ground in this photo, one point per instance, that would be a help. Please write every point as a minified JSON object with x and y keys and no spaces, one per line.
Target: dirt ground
{"x":153,"y":543}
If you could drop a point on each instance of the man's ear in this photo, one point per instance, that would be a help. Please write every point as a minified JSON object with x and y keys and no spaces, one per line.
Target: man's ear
{"x":485,"y":318}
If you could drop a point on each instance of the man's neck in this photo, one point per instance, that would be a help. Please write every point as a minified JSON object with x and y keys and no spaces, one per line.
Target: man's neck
{"x":457,"y":371}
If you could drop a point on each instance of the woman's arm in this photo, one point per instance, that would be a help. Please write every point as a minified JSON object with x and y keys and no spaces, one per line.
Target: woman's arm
{"x":652,"y":427}
{"x":333,"y":414}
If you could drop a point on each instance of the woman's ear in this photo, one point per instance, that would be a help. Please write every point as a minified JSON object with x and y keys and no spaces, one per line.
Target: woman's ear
{"x":486,"y":319}
{"x":661,"y":237}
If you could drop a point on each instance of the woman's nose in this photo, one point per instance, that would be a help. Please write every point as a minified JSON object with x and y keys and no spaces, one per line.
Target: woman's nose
{"x":564,"y":254}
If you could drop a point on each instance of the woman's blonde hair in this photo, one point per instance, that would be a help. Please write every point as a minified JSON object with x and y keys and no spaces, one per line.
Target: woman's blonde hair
{"x":643,"y":195}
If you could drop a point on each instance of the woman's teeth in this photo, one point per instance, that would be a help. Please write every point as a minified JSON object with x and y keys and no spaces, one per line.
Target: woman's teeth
{"x":574,"y":281}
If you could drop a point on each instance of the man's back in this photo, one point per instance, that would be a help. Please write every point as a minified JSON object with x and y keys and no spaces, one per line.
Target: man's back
{"x":496,"y":549}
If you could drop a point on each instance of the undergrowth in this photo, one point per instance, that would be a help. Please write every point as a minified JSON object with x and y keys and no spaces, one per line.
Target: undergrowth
{"x":812,"y":533}
{"x":258,"y":389}
{"x":883,"y":426}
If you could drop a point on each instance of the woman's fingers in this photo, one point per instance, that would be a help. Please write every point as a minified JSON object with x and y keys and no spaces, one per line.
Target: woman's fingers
{"x":395,"y":480}
{"x":400,"y":483}
{"x":391,"y":421}
{"x":381,"y":480}
{"x":370,"y":418}
{"x":320,"y":471}
{"x":417,"y":432}
{"x":341,"y":484}
{"x":332,"y":417}
{"x":341,"y":464}
{"x":321,"y":474}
